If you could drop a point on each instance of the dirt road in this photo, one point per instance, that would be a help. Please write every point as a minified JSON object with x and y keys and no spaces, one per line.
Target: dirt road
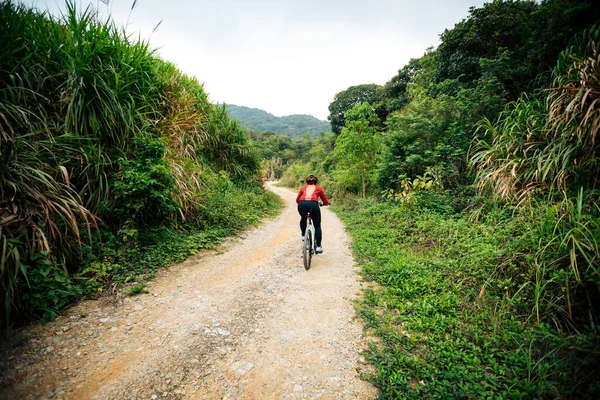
{"x":244,"y":322}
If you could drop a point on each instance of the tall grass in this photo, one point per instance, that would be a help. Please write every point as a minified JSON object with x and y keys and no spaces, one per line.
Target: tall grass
{"x":97,"y":135}
{"x":543,"y":157}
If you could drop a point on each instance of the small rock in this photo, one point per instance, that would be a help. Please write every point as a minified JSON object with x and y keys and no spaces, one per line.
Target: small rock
{"x":165,"y":394}
{"x":242,"y":367}
{"x":154,"y":397}
{"x":297,"y":388}
{"x":49,"y":349}
{"x":223,"y":332}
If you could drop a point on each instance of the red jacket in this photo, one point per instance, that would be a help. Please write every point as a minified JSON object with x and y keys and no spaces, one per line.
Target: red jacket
{"x":312,"y":192}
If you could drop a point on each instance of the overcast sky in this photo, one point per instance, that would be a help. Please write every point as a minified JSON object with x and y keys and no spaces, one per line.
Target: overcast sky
{"x":285,"y":56}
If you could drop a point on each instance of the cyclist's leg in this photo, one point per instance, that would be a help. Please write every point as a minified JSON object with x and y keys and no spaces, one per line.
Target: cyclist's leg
{"x":302,"y":210}
{"x":315,"y":213}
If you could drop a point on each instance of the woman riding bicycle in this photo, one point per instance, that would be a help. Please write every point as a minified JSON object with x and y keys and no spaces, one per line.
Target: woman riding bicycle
{"x":308,"y":202}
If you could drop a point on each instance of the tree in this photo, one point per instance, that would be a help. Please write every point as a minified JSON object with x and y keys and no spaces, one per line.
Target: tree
{"x":357,"y":148}
{"x":345,"y":100}
{"x":496,"y":25}
{"x":394,"y":91}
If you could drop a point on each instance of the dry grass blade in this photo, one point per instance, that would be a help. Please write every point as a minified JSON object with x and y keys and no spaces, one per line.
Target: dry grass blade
{"x":157,"y":25}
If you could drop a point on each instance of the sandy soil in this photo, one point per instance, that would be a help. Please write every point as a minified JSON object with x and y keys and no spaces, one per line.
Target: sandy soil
{"x":244,"y":322}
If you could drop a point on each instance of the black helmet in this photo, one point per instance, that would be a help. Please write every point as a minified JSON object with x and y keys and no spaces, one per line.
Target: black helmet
{"x":311,"y":179}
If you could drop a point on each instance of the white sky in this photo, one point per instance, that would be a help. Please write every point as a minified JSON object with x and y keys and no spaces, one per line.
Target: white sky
{"x":285,"y":56}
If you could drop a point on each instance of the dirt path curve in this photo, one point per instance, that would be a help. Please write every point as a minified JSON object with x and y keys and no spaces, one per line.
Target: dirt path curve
{"x":244,"y":322}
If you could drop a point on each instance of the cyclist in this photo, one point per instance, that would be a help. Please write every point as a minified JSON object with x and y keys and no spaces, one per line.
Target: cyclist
{"x":308,"y":202}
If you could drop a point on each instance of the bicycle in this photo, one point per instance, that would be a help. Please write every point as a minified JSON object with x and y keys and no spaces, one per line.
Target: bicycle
{"x":309,"y":245}
{"x":310,"y":241}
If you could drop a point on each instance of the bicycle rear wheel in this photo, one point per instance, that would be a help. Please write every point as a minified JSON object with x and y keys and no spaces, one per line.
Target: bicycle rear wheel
{"x":307,"y":249}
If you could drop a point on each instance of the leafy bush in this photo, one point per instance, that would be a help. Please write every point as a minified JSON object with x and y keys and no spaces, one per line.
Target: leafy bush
{"x":144,"y":187}
{"x":46,"y":288}
{"x":227,"y":206}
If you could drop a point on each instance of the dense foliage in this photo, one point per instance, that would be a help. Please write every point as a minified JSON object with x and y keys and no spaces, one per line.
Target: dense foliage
{"x":102,"y":144}
{"x":260,"y":121}
{"x":481,"y":223}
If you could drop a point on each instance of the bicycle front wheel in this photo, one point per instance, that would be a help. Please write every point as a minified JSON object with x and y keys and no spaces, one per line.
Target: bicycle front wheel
{"x":307,"y":249}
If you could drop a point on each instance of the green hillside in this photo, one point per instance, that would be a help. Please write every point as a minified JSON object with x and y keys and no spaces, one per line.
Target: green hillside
{"x":292,"y":125}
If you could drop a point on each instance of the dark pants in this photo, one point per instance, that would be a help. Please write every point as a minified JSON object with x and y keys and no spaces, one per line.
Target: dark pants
{"x":312,"y":207}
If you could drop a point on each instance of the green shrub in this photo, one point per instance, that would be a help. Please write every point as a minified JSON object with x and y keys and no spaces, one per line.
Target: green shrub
{"x":225,"y":205}
{"x":46,"y":288}
{"x":144,"y":186}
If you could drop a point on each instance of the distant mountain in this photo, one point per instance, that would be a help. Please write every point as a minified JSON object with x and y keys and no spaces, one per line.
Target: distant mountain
{"x":292,"y":125}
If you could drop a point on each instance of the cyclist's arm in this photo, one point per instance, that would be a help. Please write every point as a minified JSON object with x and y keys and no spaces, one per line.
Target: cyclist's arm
{"x":322,"y":196}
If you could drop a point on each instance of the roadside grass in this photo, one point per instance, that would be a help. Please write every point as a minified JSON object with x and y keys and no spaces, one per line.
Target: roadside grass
{"x":127,"y":261}
{"x":446,"y":325}
{"x":130,"y":264}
